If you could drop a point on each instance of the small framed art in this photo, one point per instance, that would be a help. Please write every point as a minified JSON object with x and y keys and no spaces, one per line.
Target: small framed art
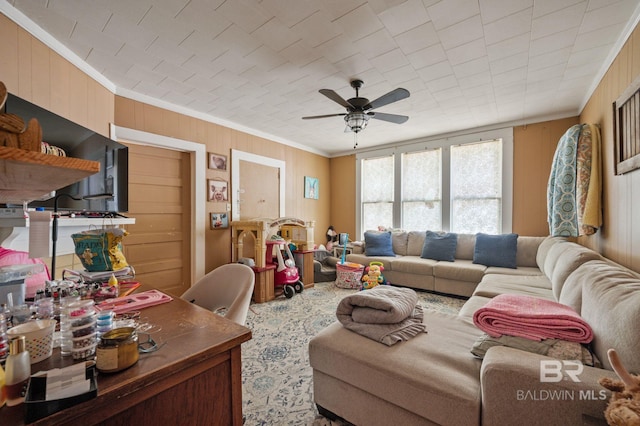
{"x":217,"y":161}
{"x":218,"y":190}
{"x":219,"y":220}
{"x":311,"y":187}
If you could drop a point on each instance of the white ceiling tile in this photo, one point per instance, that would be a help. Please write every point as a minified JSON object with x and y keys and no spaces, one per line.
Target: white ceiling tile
{"x":359,"y":22}
{"x":275,"y":35}
{"x":447,"y":13}
{"x":417,"y":38}
{"x":137,"y":35}
{"x":247,"y":14}
{"x":509,"y":47}
{"x":509,"y":63}
{"x":461,"y":32}
{"x":508,"y":27}
{"x":467,"y":52}
{"x":316,"y":29}
{"x":546,"y":7}
{"x":376,"y":44}
{"x":428,"y":56}
{"x":554,"y":22}
{"x":494,"y":10}
{"x":554,"y":41}
{"x":404,"y":16}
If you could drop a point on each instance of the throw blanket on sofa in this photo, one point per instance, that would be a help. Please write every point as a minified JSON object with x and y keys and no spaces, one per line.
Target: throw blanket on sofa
{"x":385,"y":314}
{"x":532,"y":318}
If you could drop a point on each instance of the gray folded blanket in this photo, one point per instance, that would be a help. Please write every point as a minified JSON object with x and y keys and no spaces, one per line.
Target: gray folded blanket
{"x":384,"y":313}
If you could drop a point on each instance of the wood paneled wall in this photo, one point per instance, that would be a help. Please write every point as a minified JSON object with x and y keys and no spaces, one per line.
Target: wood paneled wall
{"x":619,"y":238}
{"x":34,"y":72}
{"x":533,"y":149}
{"x":221,"y":140}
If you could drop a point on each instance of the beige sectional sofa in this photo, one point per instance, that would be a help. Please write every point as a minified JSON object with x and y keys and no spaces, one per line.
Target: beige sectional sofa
{"x":433,"y":378}
{"x":460,"y":277}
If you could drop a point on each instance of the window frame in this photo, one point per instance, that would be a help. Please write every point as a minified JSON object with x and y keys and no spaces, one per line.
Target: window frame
{"x":445,"y":142}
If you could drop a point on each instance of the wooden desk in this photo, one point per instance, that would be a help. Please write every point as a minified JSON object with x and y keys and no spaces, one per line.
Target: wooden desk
{"x":195,"y":378}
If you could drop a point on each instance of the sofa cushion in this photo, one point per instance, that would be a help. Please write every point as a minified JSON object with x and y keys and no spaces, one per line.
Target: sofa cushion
{"x":543,"y":250}
{"x":568,"y":257}
{"x":440,"y":246}
{"x":399,"y":242}
{"x":528,"y":250}
{"x":465,"y":247}
{"x":460,"y":270}
{"x":425,"y":375}
{"x":413,"y":265}
{"x":520,"y":270}
{"x":528,"y":285}
{"x":415,"y":242}
{"x":496,"y":250}
{"x":611,"y":306}
{"x":378,"y":244}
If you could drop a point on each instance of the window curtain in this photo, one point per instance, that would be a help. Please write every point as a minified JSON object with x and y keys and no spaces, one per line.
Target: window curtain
{"x":574,"y":191}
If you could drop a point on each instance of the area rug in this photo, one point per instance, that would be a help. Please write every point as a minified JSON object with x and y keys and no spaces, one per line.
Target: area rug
{"x":277,"y":382}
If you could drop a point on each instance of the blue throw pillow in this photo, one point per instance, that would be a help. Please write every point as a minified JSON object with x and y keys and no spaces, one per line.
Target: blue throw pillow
{"x":496,"y":250}
{"x":378,"y":244}
{"x":440,"y":246}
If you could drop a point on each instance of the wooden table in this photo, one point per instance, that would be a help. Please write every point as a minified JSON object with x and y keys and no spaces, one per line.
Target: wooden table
{"x":195,"y":378}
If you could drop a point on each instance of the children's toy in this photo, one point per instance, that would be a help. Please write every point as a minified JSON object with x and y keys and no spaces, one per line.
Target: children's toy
{"x":373,"y":276}
{"x":624,"y":406}
{"x":286,"y":274}
{"x":332,"y":238}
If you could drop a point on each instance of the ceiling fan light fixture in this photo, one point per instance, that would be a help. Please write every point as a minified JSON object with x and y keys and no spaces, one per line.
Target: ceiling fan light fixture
{"x":356,"y":121}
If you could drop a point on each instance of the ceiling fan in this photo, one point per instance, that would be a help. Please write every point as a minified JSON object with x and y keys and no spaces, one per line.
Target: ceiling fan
{"x":359,"y":110}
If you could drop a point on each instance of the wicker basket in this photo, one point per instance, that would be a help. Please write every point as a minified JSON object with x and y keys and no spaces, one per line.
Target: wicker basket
{"x":348,"y":275}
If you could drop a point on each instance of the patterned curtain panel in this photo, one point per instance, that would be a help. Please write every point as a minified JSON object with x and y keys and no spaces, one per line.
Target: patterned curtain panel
{"x":574,"y":191}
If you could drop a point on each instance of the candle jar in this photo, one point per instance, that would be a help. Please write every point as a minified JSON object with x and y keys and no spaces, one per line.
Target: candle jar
{"x":117,"y":350}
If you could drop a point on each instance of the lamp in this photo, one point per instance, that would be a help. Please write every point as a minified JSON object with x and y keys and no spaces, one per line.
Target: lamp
{"x":356,"y":121}
{"x":54,"y":227}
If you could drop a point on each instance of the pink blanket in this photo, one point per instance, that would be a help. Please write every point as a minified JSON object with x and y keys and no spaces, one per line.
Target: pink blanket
{"x":531,"y":318}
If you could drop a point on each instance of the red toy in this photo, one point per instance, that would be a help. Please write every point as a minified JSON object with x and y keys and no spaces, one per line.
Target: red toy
{"x":286,"y":274}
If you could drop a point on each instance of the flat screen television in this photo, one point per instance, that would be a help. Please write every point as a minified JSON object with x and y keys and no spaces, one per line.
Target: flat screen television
{"x":80,"y":142}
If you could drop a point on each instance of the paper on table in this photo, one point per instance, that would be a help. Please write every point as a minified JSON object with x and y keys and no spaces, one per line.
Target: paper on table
{"x":39,"y":234}
{"x":67,"y":382}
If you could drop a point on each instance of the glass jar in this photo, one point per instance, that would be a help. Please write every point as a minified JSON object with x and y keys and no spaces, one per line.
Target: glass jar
{"x":117,"y":350}
{"x":77,"y":319}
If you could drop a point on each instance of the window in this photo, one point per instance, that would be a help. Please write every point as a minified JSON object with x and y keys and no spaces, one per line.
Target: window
{"x":422,"y":190}
{"x":476,"y":187}
{"x":377,"y":190}
{"x":456,"y":184}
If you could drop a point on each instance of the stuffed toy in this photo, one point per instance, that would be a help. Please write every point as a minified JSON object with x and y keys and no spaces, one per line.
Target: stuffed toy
{"x":624,"y":406}
{"x":373,"y":276}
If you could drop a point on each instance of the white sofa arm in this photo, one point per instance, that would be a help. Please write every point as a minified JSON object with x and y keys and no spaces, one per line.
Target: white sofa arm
{"x":521,"y":388}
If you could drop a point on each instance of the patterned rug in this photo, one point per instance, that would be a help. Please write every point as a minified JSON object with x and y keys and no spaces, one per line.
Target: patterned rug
{"x":277,"y":383}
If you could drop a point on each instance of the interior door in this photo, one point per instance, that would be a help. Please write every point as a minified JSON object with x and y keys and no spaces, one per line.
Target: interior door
{"x":158,"y":245}
{"x":259,"y":191}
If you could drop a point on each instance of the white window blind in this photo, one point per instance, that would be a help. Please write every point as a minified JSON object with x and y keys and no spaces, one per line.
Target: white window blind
{"x":422,"y":190}
{"x":476,"y":187}
{"x":377,"y":192}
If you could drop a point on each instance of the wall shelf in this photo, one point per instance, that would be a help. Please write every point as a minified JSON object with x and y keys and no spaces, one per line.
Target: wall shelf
{"x":14,"y":232}
{"x":30,"y":175}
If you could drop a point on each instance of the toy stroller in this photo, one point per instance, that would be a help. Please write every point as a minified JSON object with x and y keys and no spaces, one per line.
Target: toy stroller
{"x":286,"y":274}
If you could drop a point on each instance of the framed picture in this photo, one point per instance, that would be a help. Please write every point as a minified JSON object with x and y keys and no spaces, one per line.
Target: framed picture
{"x":311,"y":187}
{"x":219,"y":220}
{"x":218,"y":190}
{"x":217,"y":161}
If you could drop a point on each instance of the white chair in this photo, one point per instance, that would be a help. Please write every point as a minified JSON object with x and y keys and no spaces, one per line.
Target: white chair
{"x":228,"y":286}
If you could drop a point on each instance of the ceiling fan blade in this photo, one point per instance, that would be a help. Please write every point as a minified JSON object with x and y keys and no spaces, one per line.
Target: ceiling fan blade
{"x":391,"y":97}
{"x":336,"y":98}
{"x":392,"y":118}
{"x":323,"y":116}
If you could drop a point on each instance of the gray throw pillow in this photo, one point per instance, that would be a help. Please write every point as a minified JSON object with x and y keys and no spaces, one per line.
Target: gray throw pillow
{"x":496,"y":250}
{"x":440,"y":246}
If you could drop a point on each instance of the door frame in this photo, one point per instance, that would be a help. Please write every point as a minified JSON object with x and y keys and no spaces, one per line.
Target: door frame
{"x":198,"y":157}
{"x":236,"y":157}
